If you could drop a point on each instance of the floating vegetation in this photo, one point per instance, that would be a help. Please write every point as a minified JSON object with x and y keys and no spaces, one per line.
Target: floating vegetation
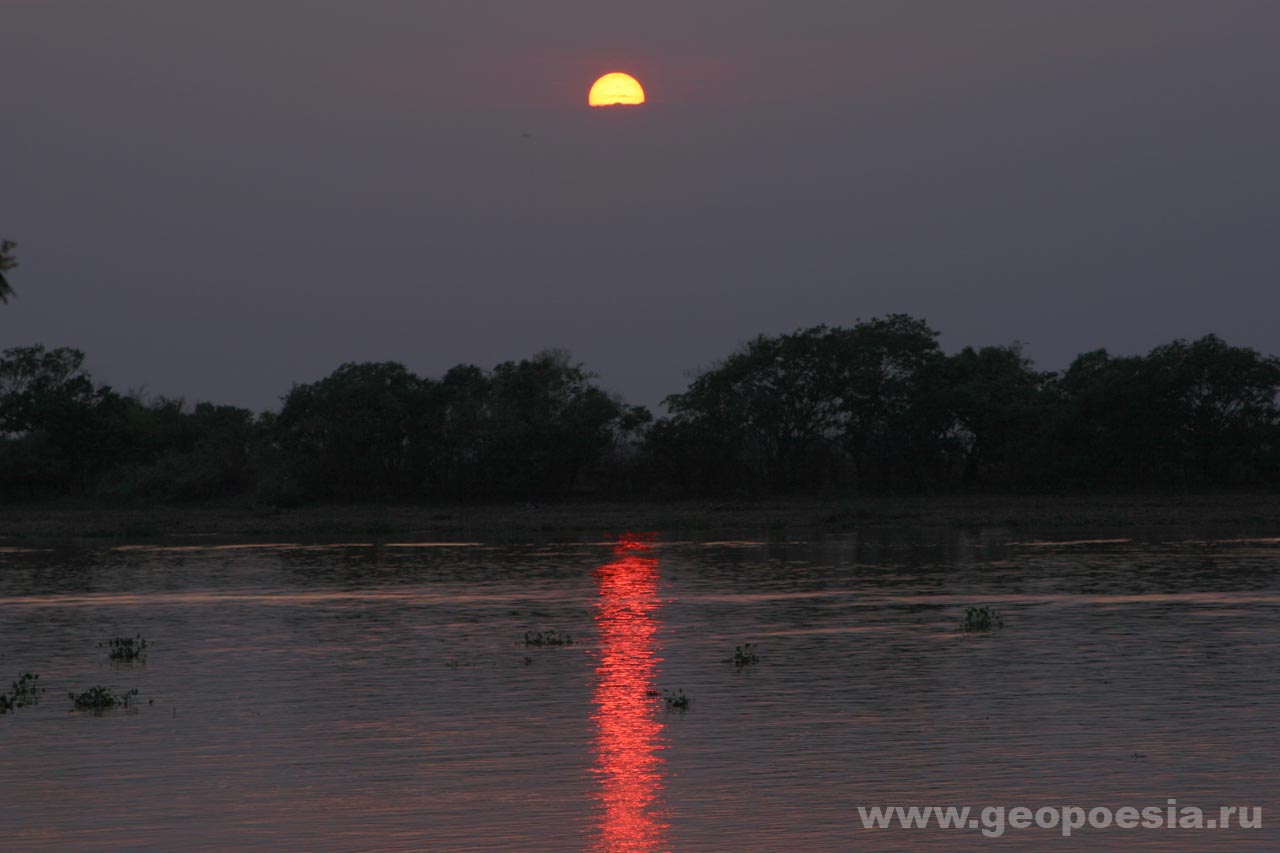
{"x":126,"y":649}
{"x":981,"y":619}
{"x":24,"y":691}
{"x":677,"y":700}
{"x":744,"y":655}
{"x":547,"y":638}
{"x":99,"y":699}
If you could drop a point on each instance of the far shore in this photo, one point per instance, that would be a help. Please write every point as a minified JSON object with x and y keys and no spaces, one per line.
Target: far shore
{"x":1062,"y":516}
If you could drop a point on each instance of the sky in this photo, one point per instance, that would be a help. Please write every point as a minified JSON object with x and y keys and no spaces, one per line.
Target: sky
{"x":218,"y":200}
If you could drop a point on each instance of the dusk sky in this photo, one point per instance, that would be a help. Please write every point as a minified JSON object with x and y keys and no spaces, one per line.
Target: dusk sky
{"x":216,"y":200}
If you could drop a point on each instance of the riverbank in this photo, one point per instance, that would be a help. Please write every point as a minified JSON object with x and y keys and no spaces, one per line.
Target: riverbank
{"x":1057,"y":516}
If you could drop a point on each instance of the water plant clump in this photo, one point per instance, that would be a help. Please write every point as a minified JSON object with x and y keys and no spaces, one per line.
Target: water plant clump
{"x":547,"y":638}
{"x":744,"y":655}
{"x":99,"y":699}
{"x":127,"y":649}
{"x":981,"y":619}
{"x":24,"y":691}
{"x":677,"y":700}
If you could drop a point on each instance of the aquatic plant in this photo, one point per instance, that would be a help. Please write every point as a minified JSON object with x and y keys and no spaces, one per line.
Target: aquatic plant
{"x":99,"y":699}
{"x":677,"y":700}
{"x":25,"y":691}
{"x":127,"y":649}
{"x":744,"y":655}
{"x":981,"y":619}
{"x":547,"y":638}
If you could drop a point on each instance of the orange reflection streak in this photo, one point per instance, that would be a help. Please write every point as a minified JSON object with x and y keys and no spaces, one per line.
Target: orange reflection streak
{"x":628,"y":732}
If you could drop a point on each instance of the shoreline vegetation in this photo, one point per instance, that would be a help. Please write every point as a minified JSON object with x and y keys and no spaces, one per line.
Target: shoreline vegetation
{"x":1145,"y":516}
{"x":874,"y":409}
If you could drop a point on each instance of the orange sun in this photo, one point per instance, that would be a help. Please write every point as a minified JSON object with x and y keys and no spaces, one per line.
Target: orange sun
{"x":615,"y":88}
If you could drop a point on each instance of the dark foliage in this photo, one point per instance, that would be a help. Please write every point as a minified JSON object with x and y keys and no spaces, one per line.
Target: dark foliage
{"x":870,"y":408}
{"x":878,"y":407}
{"x":7,"y":262}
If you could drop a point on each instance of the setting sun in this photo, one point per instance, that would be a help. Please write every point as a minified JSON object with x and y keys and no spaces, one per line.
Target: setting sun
{"x":615,"y":88}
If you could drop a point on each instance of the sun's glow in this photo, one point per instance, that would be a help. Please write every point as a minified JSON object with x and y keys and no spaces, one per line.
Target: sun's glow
{"x":615,"y":88}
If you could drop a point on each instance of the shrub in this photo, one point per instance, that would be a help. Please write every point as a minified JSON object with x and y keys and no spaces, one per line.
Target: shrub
{"x":99,"y":699}
{"x":24,"y":691}
{"x":981,"y":619}
{"x":127,"y":649}
{"x":744,"y":655}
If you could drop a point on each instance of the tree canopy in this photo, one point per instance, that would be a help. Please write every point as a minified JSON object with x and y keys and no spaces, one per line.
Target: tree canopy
{"x":868,"y":408}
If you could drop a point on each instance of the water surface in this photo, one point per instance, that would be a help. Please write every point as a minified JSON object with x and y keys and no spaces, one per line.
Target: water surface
{"x":354,"y":696}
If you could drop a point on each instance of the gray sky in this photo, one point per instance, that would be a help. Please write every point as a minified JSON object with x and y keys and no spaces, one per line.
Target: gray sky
{"x":217,"y":199}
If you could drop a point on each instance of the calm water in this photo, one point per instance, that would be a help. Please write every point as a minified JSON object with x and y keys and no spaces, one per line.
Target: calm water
{"x":353,"y":697}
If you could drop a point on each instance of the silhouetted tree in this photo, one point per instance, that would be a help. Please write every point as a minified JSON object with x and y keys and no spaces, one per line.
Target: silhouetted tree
{"x":1219,"y":407}
{"x":1187,"y":414}
{"x":998,"y":411}
{"x":800,"y":410}
{"x":1100,"y":433}
{"x":765,"y":417}
{"x":892,"y":425}
{"x":875,"y":406}
{"x":354,"y":434}
{"x":48,"y":403}
{"x":161,"y":451}
{"x":550,"y":423}
{"x":625,"y":467}
{"x":34,"y":381}
{"x":527,"y":429}
{"x":60,"y":434}
{"x":7,"y":262}
{"x":460,"y":435}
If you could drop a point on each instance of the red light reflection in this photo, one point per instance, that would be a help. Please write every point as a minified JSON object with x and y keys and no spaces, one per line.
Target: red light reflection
{"x":628,"y":730}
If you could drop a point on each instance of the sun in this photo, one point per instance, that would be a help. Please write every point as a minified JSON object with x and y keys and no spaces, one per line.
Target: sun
{"x":615,"y":88}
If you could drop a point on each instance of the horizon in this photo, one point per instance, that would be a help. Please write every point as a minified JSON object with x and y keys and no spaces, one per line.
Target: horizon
{"x":658,"y":410}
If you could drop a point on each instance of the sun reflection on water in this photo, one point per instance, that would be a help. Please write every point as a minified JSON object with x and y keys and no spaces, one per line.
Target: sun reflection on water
{"x":628,"y":730}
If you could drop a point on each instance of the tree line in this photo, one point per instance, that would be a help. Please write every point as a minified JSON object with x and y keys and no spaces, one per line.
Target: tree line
{"x":871,"y":408}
